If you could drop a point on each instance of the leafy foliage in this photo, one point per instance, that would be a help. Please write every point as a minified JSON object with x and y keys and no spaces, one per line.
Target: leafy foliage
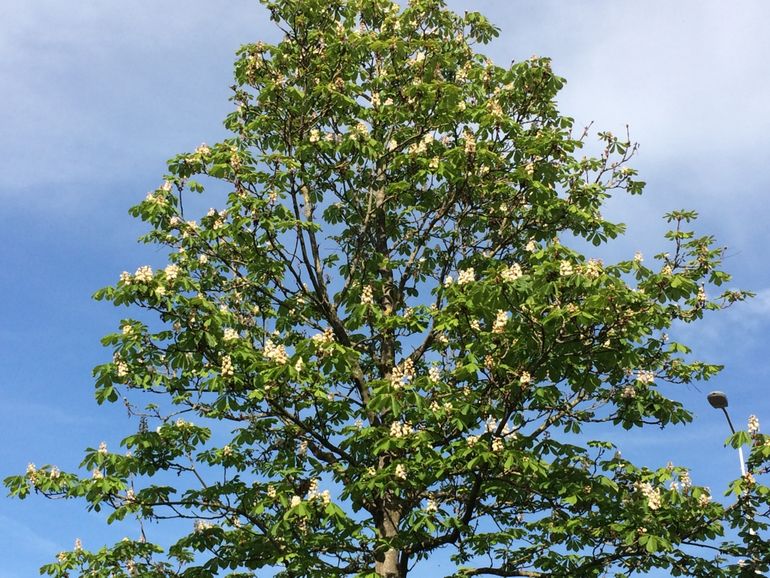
{"x":386,"y":346}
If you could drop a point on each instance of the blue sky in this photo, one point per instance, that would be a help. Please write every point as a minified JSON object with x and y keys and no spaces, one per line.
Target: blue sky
{"x":97,"y":95}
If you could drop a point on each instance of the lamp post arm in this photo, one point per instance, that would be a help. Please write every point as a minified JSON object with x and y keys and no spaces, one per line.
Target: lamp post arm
{"x":740,"y":449}
{"x":729,"y":421}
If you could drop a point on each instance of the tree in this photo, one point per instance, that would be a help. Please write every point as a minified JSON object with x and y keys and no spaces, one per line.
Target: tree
{"x":388,"y":343}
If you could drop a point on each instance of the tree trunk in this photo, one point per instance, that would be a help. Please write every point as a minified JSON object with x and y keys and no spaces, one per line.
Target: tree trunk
{"x":388,"y":564}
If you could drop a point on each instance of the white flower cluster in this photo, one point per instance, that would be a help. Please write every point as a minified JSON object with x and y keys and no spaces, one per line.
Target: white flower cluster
{"x":420,"y":147}
{"x":226,"y":368}
{"x":157,"y":199}
{"x":121,"y":367}
{"x":312,"y":491}
{"x":400,"y":430}
{"x":472,"y":440}
{"x":470,"y":142}
{"x":525,"y":378}
{"x":495,"y":109}
{"x":324,"y":338}
{"x":314,"y":494}
{"x":201,"y":526}
{"x":638,"y":257}
{"x":701,"y":296}
{"x":645,"y":377}
{"x":531,"y":246}
{"x":235,"y":159}
{"x":628,"y":392}
{"x":400,"y":471}
{"x":367,"y":295}
{"x":358,"y":131}
{"x":143,"y":274}
{"x":466,"y":276}
{"x":230,"y":334}
{"x":271,"y":491}
{"x":497,"y":445}
{"x":102,"y":448}
{"x":418,"y":57}
{"x":431,"y":506}
{"x":565,"y":268}
{"x":704,"y":499}
{"x":652,"y":494}
{"x":417,"y":148}
{"x":402,"y":374}
{"x":276,"y":353}
{"x":529,"y":168}
{"x":510,"y":274}
{"x":172,"y":272}
{"x":593,"y":268}
{"x":462,"y":74}
{"x":753,"y":425}
{"x":434,"y":374}
{"x":501,"y":320}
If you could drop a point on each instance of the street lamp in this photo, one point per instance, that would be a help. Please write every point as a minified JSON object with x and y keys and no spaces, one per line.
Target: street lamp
{"x":718,"y":400}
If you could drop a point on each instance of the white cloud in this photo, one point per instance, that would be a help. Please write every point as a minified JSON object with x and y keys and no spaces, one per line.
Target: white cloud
{"x":94,"y":90}
{"x":21,"y":535}
{"x":756,"y":310}
{"x":687,"y":76}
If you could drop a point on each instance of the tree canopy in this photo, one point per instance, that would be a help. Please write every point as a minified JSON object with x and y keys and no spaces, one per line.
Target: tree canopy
{"x":388,"y":346}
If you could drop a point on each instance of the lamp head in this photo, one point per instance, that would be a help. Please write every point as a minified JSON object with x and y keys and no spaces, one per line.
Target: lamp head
{"x":717,"y":399}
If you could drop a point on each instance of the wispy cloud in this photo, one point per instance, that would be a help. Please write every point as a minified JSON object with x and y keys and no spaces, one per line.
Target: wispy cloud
{"x":21,"y":535}
{"x":684,"y":75}
{"x":93,"y":90}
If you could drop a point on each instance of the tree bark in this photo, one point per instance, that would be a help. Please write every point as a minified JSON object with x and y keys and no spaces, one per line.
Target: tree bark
{"x":388,"y":563}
